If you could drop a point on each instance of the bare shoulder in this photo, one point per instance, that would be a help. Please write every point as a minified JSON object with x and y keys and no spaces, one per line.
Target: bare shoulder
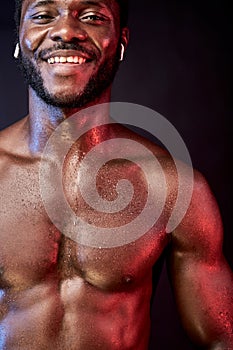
{"x":201,"y":230}
{"x":12,"y":138}
{"x":124,"y":132}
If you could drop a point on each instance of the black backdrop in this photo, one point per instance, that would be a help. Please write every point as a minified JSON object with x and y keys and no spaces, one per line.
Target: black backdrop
{"x":179,"y":64}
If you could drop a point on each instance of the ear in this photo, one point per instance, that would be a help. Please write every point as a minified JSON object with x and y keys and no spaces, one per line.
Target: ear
{"x":125,"y":37}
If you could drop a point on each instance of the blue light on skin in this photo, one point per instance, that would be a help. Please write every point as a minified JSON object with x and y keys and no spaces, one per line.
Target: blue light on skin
{"x":2,"y":328}
{"x":1,"y":294}
{"x":2,"y":338}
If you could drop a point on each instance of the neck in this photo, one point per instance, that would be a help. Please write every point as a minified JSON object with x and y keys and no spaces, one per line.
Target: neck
{"x":44,"y":119}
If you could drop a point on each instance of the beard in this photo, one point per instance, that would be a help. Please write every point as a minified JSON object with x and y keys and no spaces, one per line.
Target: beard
{"x":97,"y":84}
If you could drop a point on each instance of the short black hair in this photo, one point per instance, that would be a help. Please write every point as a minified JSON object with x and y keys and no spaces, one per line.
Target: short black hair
{"x":18,"y":6}
{"x":123,"y":4}
{"x":124,"y":12}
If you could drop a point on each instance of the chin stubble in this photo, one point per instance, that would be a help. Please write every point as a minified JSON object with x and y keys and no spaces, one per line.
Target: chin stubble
{"x":97,"y":84}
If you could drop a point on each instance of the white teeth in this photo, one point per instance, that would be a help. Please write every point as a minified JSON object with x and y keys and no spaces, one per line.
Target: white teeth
{"x":81,"y":60}
{"x":70,"y":59}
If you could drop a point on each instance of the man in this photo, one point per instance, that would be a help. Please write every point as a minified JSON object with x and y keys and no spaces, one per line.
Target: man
{"x":57,"y":293}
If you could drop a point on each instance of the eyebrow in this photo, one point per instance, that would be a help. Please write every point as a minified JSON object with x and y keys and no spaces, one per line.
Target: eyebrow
{"x":44,"y":3}
{"x":85,"y":2}
{"x":91,"y":2}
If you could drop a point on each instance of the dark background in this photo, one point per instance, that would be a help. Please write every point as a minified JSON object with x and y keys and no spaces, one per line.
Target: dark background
{"x":179,"y":64}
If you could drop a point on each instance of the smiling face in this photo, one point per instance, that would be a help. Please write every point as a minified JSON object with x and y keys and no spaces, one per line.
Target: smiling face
{"x":70,"y":49}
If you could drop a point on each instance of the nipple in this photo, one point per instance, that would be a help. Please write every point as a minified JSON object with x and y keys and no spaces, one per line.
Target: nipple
{"x":128,"y":279}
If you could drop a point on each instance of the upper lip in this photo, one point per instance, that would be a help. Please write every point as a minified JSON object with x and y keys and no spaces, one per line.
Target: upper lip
{"x":66,"y":53}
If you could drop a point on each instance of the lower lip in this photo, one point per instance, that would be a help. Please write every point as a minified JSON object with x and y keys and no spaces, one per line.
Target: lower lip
{"x":68,"y":68}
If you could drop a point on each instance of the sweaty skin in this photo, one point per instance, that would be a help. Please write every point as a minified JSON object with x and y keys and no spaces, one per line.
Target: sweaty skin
{"x":57,"y":293}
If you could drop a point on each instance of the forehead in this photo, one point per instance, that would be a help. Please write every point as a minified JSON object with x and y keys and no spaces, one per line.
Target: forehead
{"x":112,"y":5}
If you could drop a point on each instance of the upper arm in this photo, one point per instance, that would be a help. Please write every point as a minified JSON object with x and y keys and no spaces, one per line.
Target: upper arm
{"x":201,"y":279}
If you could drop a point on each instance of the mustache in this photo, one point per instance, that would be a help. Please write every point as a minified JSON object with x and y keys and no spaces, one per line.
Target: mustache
{"x":66,"y":46}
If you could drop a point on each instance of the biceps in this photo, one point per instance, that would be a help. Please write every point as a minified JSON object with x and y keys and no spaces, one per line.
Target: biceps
{"x":204,"y":296}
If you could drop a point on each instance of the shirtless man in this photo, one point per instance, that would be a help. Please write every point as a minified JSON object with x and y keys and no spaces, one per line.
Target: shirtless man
{"x":57,"y":293}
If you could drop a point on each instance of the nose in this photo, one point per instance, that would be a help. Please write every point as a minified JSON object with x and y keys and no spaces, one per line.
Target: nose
{"x":68,"y":29}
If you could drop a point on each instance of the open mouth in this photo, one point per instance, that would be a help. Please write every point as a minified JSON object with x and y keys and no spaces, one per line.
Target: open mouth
{"x":69,"y":59}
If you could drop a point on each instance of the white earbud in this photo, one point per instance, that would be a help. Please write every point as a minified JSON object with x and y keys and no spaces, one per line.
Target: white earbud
{"x":122,"y":52}
{"x":16,"y":53}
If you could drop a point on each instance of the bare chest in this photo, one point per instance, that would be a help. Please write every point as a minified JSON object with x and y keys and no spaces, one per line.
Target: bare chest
{"x":32,"y":247}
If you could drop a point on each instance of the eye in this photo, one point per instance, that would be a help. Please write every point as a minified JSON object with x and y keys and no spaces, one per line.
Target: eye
{"x":92,"y":18}
{"x":42,"y":18}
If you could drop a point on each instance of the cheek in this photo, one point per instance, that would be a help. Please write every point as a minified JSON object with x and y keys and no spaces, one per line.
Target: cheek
{"x":30,"y":41}
{"x":106,"y":44}
{"x":105,"y":39}
{"x":28,"y":44}
{"x":110,"y":45}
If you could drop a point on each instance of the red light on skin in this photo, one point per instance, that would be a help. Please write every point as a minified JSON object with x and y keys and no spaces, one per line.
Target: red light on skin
{"x":96,"y":136}
{"x":75,"y":13}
